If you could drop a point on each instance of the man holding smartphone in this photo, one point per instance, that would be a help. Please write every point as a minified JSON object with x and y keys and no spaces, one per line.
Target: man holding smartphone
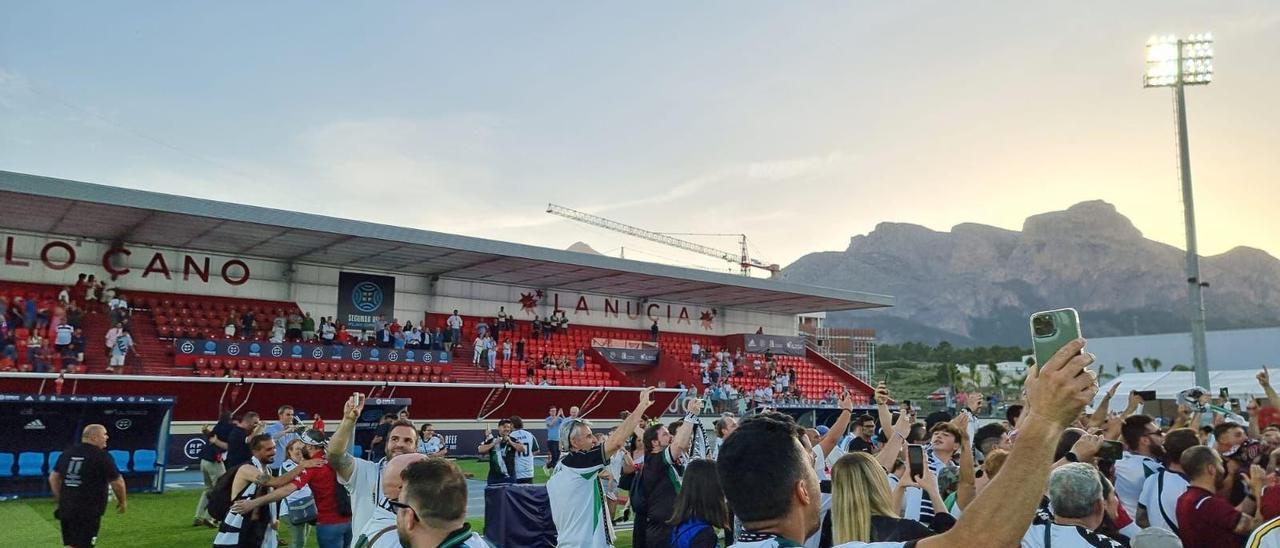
{"x":363,"y":478}
{"x":283,"y":431}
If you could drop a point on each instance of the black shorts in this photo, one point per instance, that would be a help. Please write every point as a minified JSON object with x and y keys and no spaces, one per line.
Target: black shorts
{"x":79,"y":528}
{"x":524,"y":480}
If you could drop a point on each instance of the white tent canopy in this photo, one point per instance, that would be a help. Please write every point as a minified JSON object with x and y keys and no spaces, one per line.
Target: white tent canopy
{"x":1241,"y":384}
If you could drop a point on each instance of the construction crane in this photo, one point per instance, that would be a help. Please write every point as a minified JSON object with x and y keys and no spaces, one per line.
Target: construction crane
{"x":743,"y":260}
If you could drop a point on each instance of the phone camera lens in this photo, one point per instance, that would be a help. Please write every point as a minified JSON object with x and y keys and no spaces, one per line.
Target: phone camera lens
{"x":1043,"y":326}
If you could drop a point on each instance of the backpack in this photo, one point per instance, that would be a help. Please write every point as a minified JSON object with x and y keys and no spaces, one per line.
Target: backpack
{"x":686,"y":532}
{"x":220,"y":496}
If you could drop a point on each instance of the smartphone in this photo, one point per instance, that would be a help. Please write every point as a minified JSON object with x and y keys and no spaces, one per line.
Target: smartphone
{"x":1146,"y":395}
{"x":915,"y":459}
{"x":1224,"y":393}
{"x":1111,"y":450}
{"x":1051,"y":330}
{"x":906,"y":403}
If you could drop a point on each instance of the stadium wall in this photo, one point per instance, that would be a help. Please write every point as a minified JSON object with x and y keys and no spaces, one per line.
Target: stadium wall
{"x":54,"y":259}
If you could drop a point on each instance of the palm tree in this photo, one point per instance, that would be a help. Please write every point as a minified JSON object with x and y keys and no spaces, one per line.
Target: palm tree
{"x":1137,"y":364}
{"x":997,"y":378}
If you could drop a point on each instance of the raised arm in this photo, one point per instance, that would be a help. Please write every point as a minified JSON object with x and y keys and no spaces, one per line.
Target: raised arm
{"x":338,"y":451}
{"x":618,"y":438}
{"x":1264,"y":380}
{"x":1001,"y":514}
{"x":683,"y":437}
{"x":965,"y":489}
{"x":828,"y":442}
{"x":1099,"y":416}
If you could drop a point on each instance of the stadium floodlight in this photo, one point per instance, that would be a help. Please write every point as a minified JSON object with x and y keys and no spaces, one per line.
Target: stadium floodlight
{"x":1175,"y":63}
{"x":1172,"y":61}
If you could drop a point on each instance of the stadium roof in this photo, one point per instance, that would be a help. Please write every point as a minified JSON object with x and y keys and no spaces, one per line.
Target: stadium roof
{"x":33,"y":203}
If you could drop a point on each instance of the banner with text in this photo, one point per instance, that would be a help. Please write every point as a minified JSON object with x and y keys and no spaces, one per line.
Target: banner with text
{"x":308,"y":351}
{"x":364,"y":299}
{"x":643,"y":356}
{"x":757,"y":344}
{"x":623,"y":343}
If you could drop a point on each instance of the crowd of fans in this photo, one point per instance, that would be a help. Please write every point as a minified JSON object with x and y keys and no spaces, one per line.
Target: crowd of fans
{"x":52,"y":330}
{"x":1052,"y":473}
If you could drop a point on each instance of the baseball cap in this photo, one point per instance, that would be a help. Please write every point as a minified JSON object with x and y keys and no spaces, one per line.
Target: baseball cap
{"x":822,"y":430}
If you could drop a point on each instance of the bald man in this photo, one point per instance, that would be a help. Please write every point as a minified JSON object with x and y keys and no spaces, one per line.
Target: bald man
{"x":381,"y":532}
{"x":79,"y":483}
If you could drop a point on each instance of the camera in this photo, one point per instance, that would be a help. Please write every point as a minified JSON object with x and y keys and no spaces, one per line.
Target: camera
{"x":1043,"y":325}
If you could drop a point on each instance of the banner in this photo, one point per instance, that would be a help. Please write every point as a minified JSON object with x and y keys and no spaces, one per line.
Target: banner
{"x":757,"y":344}
{"x":623,"y":343}
{"x":647,"y":356}
{"x":36,"y":427}
{"x":307,"y":351}
{"x":364,"y":299}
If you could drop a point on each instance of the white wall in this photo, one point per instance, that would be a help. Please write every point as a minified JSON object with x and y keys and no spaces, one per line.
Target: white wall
{"x":315,"y":288}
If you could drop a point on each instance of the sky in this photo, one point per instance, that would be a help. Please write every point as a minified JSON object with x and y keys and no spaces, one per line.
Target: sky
{"x":800,"y":124}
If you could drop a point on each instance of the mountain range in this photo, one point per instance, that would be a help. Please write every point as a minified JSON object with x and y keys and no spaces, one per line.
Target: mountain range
{"x":978,"y":284}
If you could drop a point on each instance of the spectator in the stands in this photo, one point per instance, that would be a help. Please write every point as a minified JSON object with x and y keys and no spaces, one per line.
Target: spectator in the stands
{"x":293,"y":326}
{"x":121,"y":350}
{"x":580,"y":361}
{"x":549,"y":327}
{"x":111,"y":336}
{"x":277,"y":336}
{"x":437,"y":340}
{"x":506,"y":350}
{"x":328,"y":332}
{"x":119,"y":307}
{"x":477,"y":350}
{"x":413,"y":338}
{"x":76,"y":350}
{"x":695,"y":350}
{"x":64,"y":296}
{"x":308,"y":328}
{"x":8,"y":346}
{"x":28,"y":311}
{"x":91,"y":293}
{"x":520,"y":350}
{"x":455,"y":328}
{"x":35,"y":351}
{"x":491,"y":352}
{"x":536,"y":327}
{"x":653,"y":331}
{"x":399,"y":339}
{"x":562,"y":324}
{"x":248,"y":324}
{"x":75,"y":315}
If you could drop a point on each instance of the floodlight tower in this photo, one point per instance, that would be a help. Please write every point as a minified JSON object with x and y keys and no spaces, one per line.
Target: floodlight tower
{"x":1176,"y":63}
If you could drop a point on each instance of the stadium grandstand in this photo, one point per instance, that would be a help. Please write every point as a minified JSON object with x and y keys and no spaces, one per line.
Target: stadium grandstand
{"x":191,"y":270}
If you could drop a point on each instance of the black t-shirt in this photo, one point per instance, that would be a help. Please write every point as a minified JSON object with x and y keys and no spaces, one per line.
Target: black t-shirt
{"x":222,"y":430}
{"x":658,"y":480}
{"x":86,"y":471}
{"x":504,"y":452}
{"x":859,"y":444}
{"x":237,"y":447}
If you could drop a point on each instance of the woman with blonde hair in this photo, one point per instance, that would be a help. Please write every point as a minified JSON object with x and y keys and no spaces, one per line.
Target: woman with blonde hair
{"x":862,"y":508}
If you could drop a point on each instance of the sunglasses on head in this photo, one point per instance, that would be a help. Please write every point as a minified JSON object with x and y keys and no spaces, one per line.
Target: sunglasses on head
{"x":395,"y":506}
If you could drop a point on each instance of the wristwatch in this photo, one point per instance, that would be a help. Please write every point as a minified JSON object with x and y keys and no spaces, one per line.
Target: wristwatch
{"x":1071,"y":457}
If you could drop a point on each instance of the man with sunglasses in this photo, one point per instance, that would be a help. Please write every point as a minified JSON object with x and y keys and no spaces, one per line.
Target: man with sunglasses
{"x":431,"y":510}
{"x":577,"y":500}
{"x":1144,"y":451}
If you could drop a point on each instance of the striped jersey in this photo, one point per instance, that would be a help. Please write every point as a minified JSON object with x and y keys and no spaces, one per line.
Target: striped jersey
{"x":577,"y":500}
{"x":229,"y":531}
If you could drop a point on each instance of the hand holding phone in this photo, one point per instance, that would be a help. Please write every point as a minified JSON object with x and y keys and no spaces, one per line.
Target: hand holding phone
{"x":1051,"y":330}
{"x":915,"y":461}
